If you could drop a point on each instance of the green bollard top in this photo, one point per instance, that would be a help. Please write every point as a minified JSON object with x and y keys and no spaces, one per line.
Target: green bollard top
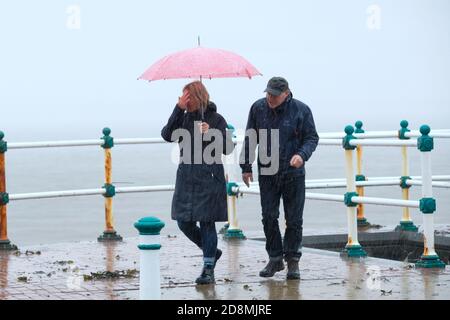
{"x":109,"y":141}
{"x":401,"y":133}
{"x":425,"y":143}
{"x":425,"y":130}
{"x":404,"y":124}
{"x":358,"y":125}
{"x":149,"y":226}
{"x":349,"y":130}
{"x":106,"y":131}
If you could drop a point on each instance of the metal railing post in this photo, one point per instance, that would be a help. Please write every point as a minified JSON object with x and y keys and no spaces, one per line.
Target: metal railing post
{"x":429,"y":258}
{"x":406,"y":223}
{"x":362,"y":221}
{"x":233,"y":231}
{"x":353,"y":249}
{"x":228,"y":175}
{"x":5,"y":244}
{"x":109,"y":234}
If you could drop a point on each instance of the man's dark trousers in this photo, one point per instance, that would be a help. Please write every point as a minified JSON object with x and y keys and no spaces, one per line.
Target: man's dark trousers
{"x":292,"y":189}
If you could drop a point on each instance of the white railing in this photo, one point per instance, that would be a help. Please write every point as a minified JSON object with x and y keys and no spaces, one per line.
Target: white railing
{"x":82,"y":143}
{"x":439,"y":133}
{"x":88,"y":192}
{"x":370,"y":139}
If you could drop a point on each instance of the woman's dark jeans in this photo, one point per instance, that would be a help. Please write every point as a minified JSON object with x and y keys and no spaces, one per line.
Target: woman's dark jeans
{"x":204,"y":237}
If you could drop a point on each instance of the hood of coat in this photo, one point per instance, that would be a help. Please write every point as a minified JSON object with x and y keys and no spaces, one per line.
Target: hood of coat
{"x":211,"y":107}
{"x":211,"y":110}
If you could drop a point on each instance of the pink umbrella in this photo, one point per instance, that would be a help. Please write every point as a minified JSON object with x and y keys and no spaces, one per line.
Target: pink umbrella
{"x":200,"y":63}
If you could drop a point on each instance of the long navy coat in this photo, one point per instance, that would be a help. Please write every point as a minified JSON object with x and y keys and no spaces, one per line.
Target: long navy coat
{"x":200,"y":189}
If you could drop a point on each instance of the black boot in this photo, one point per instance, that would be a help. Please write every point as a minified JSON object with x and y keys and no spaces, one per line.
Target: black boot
{"x":218,"y":255}
{"x":293,"y":271}
{"x":207,"y":275}
{"x":272,"y":267}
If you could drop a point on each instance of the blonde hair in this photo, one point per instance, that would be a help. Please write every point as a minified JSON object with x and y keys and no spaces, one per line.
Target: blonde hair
{"x":198,"y":92}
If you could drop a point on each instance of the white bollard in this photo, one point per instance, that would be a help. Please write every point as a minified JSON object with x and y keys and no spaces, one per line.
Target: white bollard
{"x":149,"y":246}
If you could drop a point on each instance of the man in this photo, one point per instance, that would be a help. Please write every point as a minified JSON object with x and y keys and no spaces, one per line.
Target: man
{"x":298,"y":139}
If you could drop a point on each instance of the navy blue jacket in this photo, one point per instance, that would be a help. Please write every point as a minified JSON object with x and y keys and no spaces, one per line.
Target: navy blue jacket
{"x":297,"y":133}
{"x":200,"y":189}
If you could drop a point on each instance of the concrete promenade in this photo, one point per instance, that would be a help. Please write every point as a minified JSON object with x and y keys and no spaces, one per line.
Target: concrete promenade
{"x":92,"y":270}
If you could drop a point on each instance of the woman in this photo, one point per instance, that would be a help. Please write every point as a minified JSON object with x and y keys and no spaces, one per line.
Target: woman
{"x":200,"y":188}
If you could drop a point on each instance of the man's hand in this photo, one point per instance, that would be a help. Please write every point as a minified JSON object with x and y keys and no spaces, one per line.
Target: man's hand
{"x":247,"y":177}
{"x":296,"y":161}
{"x":183,"y":100}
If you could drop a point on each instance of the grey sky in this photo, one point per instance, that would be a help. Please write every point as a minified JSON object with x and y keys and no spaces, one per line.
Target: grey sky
{"x":58,"y":83}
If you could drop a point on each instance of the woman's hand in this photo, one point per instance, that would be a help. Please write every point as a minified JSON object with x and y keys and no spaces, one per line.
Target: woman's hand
{"x":203,"y":127}
{"x":183,"y":100}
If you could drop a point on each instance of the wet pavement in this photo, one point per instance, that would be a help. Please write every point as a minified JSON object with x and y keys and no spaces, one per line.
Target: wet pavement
{"x":92,"y":270}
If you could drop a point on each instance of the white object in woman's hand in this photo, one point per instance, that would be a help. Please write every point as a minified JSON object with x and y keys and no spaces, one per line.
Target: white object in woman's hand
{"x":203,"y":127}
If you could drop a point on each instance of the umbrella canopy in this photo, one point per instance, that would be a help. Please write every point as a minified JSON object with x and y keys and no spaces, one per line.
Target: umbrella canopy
{"x":200,"y":63}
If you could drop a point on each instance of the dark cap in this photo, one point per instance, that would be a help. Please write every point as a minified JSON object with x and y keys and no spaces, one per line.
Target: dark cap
{"x":276,"y":86}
